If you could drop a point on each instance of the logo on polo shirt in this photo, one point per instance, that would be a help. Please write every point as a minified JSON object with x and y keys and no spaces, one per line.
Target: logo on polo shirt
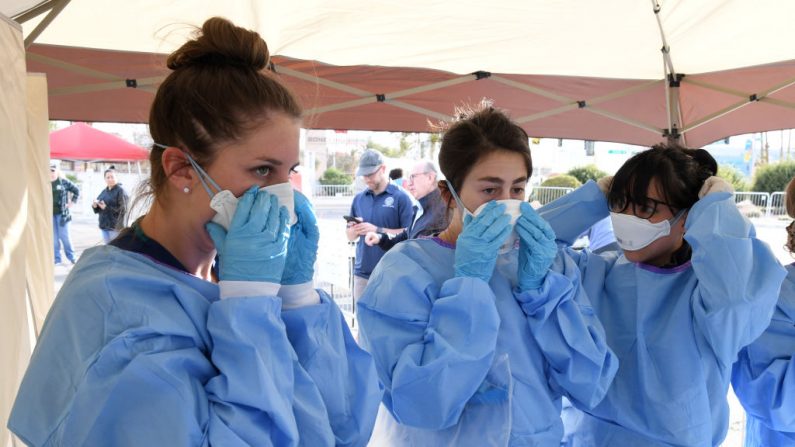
{"x":389,"y":202}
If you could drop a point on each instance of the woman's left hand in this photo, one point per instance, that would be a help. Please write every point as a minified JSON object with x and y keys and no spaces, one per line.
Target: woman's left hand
{"x":302,"y":246}
{"x":537,"y":248}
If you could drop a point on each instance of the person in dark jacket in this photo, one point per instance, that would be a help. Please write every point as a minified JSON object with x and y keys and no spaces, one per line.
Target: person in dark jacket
{"x":64,"y":195}
{"x":430,"y":217}
{"x":110,"y":205}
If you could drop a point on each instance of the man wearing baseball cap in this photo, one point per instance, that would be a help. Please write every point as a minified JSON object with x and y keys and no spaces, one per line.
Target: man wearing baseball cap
{"x":383,"y":208}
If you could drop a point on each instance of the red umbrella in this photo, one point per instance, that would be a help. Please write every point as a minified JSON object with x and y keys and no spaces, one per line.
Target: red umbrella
{"x":82,"y":142}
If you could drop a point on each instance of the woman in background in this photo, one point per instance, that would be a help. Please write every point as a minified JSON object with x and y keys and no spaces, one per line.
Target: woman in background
{"x":110,"y":205}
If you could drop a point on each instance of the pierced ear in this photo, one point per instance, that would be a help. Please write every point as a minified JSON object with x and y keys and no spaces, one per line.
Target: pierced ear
{"x":177,"y":168}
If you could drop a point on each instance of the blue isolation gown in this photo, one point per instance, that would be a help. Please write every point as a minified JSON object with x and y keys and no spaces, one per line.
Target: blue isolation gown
{"x":676,"y":331}
{"x":764,"y":376}
{"x":135,"y":353}
{"x":470,"y":363}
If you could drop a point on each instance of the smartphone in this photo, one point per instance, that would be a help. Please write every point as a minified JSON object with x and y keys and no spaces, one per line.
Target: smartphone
{"x":353,"y":219}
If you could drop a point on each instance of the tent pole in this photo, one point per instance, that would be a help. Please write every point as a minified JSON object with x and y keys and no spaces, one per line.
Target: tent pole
{"x":672,"y":87}
{"x":58,"y":6}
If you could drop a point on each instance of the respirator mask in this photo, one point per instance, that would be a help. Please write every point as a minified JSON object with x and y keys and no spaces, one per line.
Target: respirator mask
{"x":511,"y":208}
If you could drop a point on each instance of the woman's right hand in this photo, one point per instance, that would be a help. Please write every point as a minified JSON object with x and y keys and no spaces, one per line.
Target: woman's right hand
{"x":255,"y":247}
{"x":476,"y":247}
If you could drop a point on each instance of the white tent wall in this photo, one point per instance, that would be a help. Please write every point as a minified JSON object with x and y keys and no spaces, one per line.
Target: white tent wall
{"x":14,"y":343}
{"x":38,"y":227}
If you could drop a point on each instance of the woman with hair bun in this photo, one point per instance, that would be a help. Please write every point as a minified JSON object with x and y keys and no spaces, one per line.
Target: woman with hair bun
{"x":692,"y":286}
{"x":764,"y":375}
{"x":150,"y":341}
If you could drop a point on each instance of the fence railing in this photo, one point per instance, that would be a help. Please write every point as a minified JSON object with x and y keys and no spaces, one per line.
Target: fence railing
{"x":761,"y":204}
{"x":777,"y":207}
{"x":333,"y":190}
{"x":546,"y":194}
{"x":752,"y":204}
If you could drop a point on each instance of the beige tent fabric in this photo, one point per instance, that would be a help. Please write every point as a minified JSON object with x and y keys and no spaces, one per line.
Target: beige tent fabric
{"x":605,"y":38}
{"x":14,"y":346}
{"x":38,"y":234}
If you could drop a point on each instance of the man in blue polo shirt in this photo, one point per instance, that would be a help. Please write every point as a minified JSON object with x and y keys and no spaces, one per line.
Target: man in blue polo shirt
{"x":383,"y":208}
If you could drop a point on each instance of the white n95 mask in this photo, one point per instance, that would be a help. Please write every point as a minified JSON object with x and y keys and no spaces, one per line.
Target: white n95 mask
{"x":511,"y":208}
{"x":633,"y":233}
{"x":225,"y":203}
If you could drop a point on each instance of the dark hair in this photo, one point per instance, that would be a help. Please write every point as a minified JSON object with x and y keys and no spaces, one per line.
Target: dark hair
{"x":110,"y":169}
{"x":680,"y":173}
{"x":217,"y":93}
{"x":476,"y":134}
{"x":396,"y":174}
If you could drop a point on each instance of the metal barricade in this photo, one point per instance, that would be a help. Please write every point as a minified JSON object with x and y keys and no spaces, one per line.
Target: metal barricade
{"x":752,"y":204}
{"x":546,"y":194}
{"x":333,"y":190}
{"x":777,"y":206}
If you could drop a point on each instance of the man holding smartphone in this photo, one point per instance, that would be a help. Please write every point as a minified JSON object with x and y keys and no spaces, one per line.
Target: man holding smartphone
{"x":382,"y":208}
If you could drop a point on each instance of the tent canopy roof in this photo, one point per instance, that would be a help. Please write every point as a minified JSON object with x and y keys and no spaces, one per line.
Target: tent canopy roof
{"x":567,"y":69}
{"x":607,"y":38}
{"x":82,"y":142}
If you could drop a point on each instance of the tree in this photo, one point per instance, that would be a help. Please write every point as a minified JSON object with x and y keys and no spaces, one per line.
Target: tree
{"x":733,"y":176}
{"x":389,"y":151}
{"x":563,"y":180}
{"x":585,"y":173}
{"x":334,"y":176}
{"x":435,"y":139}
{"x":772,"y":178}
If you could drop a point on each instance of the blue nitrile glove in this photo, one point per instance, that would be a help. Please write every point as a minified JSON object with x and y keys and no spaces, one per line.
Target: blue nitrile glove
{"x":302,"y":248}
{"x":255,"y":247}
{"x":537,"y":248}
{"x":476,"y":247}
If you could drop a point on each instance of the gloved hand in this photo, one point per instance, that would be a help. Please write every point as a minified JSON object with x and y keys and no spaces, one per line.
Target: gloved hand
{"x":714,"y":184}
{"x":537,"y":248}
{"x":302,"y":247}
{"x":255,"y":247}
{"x":477,"y":245}
{"x":604,"y":184}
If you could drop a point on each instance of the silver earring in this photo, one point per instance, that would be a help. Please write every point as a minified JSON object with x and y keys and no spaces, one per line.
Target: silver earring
{"x":186,"y":190}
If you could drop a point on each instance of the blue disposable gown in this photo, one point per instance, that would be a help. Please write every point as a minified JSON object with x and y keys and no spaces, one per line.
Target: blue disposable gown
{"x":764,"y":376}
{"x":134,"y":353}
{"x":676,"y":331}
{"x":465,"y":362}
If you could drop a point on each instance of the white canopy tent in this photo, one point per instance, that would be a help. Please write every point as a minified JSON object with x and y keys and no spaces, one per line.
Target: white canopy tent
{"x":619,"y":70}
{"x":608,"y":69}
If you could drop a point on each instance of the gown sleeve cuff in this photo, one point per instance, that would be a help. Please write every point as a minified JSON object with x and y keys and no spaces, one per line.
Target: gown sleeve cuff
{"x":231,"y":289}
{"x":299,"y":295}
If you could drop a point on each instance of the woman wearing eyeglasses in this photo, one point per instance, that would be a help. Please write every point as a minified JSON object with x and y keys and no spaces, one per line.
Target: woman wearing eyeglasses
{"x":691,"y":286}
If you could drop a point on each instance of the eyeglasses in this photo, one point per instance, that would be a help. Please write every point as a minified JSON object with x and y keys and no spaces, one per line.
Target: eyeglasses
{"x":413,"y":176}
{"x":644,"y":211}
